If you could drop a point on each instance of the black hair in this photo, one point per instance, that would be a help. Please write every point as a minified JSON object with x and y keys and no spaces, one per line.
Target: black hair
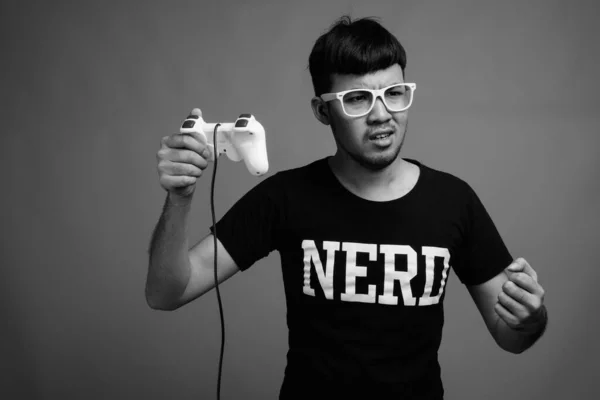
{"x":354,"y":47}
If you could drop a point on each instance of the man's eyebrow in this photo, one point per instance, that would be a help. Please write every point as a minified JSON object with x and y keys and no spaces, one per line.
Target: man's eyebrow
{"x":363,"y":86}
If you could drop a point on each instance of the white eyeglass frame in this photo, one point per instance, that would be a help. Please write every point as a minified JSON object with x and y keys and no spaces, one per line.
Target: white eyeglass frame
{"x":375,"y":92}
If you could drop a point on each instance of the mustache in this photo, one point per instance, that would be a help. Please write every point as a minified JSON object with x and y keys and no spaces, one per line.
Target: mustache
{"x":381,"y":128}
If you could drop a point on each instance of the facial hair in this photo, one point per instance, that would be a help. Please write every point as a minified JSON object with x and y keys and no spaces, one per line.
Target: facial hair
{"x":372,"y":163}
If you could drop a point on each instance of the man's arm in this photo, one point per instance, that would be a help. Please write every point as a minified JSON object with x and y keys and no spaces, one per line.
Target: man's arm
{"x":176,"y":274}
{"x":511,"y":305}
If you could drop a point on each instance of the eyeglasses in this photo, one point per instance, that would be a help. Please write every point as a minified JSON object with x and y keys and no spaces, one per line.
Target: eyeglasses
{"x":359,"y":102}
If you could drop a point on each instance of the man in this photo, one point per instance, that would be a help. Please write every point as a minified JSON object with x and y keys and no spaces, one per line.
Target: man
{"x":366,"y":238}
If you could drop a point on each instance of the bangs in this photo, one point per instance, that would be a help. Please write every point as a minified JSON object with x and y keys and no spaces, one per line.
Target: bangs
{"x":360,"y":55}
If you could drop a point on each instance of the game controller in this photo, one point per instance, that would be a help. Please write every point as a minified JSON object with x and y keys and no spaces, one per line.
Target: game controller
{"x":243,"y":139}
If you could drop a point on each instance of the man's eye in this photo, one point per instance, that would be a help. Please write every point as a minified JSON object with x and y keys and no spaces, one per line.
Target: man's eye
{"x":396,"y":92}
{"x":356,"y":98}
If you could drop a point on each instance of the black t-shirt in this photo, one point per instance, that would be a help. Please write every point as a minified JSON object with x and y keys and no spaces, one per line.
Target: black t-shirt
{"x":364,"y":280}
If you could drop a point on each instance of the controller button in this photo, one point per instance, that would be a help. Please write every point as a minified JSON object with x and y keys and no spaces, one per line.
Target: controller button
{"x":188,"y":124}
{"x":241,"y":123}
{"x":245,"y":116}
{"x":192,"y":116}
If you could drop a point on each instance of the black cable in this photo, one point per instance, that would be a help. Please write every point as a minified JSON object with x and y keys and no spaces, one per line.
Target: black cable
{"x":212,"y":209}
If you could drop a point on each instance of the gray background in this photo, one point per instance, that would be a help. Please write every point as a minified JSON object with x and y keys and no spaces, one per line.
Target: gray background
{"x":507,"y":99}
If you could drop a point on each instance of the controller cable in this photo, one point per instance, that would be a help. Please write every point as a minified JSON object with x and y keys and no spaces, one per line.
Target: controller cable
{"x":214,"y":225}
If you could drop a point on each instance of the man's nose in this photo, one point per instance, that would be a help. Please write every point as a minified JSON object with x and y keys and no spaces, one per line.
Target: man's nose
{"x":379,"y":113}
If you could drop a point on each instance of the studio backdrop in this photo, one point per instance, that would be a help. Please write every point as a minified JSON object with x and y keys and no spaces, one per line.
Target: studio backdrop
{"x":506,"y":99}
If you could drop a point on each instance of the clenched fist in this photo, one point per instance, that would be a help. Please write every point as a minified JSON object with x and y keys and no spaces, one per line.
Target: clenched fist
{"x":521,"y":302}
{"x":181,"y":160}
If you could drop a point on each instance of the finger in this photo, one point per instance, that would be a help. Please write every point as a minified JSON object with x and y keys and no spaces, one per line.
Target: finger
{"x":513,"y":306}
{"x":527,"y":283}
{"x":511,"y":320}
{"x":168,"y":155}
{"x":530,"y":301}
{"x":178,"y":181}
{"x":188,"y":157}
{"x":199,"y":137}
{"x":521,"y":265}
{"x":178,"y":169}
{"x":192,"y":141}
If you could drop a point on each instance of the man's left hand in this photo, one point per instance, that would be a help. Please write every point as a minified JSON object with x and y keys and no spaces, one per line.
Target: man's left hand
{"x":521,"y":302}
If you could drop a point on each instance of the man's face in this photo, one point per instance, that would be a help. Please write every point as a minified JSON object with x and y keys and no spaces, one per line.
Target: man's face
{"x":356,"y":136}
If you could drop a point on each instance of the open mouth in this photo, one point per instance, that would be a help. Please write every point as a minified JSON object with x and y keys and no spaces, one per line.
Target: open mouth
{"x":380,"y":136}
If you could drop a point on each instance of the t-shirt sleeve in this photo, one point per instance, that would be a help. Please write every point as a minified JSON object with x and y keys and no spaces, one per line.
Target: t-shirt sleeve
{"x":484,"y":254}
{"x":249,"y":230}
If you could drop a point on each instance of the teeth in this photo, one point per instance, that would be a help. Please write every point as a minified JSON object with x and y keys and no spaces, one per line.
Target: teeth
{"x":383,"y":135}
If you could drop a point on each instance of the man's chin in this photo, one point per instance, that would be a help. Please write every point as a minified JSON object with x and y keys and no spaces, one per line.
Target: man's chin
{"x":376,"y":163}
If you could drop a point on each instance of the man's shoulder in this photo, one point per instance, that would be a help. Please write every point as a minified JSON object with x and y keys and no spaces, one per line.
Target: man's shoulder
{"x":294,"y":175}
{"x":293,"y":178}
{"x":441,"y":179}
{"x":310,"y":168}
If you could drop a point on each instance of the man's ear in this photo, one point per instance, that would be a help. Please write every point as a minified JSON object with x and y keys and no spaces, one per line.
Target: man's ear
{"x":320,"y":110}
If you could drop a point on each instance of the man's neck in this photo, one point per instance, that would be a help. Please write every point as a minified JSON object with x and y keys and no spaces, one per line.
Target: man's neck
{"x":387,"y":184}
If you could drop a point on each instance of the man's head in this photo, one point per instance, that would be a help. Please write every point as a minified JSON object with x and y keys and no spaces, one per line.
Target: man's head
{"x":354,"y":47}
{"x":353,"y":55}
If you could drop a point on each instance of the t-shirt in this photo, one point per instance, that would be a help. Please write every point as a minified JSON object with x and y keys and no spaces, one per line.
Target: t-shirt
{"x":364,"y":280}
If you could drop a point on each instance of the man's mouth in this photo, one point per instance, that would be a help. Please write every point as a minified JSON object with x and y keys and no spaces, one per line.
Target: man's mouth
{"x":380,"y":135}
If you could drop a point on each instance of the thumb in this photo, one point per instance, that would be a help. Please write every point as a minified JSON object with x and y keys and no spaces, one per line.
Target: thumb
{"x":520,"y":265}
{"x":516,"y":266}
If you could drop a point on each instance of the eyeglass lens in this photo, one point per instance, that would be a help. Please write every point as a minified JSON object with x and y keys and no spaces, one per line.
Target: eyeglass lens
{"x":396,"y":98}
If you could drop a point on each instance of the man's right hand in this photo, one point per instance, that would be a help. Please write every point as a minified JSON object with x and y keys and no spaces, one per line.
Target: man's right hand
{"x":181,"y":160}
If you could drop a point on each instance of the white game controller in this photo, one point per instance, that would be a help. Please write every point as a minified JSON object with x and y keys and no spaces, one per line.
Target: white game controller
{"x":243,"y":139}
